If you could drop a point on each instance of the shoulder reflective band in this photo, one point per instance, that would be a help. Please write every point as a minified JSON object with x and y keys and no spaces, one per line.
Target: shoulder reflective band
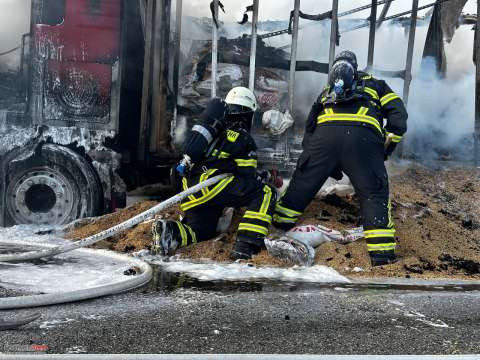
{"x":329,"y":111}
{"x":359,"y":117}
{"x":387,"y":98}
{"x":373,"y":93}
{"x":367,"y":77}
{"x":204,"y":132}
{"x":246,"y":163}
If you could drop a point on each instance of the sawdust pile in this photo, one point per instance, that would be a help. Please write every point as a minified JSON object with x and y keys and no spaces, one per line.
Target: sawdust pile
{"x":437,"y":215}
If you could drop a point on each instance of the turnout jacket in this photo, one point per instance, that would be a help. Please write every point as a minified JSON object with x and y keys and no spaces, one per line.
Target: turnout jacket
{"x":372,"y":102}
{"x":233,"y":151}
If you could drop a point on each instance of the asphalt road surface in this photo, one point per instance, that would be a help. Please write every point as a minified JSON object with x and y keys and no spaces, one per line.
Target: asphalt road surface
{"x":177,"y":315}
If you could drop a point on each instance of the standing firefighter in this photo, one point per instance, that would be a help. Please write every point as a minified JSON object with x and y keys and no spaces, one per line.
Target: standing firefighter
{"x":221,"y":143}
{"x":345,"y":132}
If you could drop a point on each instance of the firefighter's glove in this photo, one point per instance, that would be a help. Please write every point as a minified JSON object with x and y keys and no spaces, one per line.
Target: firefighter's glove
{"x":215,"y":112}
{"x":271,"y":177}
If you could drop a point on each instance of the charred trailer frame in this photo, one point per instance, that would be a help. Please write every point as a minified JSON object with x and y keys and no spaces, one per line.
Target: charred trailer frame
{"x":70,"y":146}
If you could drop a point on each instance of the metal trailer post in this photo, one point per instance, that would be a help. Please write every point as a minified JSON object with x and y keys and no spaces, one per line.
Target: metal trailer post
{"x":147,"y":80}
{"x":477,"y":90}
{"x":411,"y":44}
{"x":333,"y":33}
{"x":253,"y":50}
{"x":384,"y":13}
{"x":176,"y":60}
{"x":293,"y":69}
{"x":214,"y":48}
{"x":371,"y":37}
{"x":161,"y":119}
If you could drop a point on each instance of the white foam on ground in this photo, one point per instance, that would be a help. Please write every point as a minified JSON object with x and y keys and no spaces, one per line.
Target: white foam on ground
{"x":72,"y":271}
{"x":208,"y":271}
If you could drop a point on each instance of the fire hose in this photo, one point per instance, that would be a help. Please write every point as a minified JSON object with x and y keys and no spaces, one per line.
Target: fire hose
{"x":77,"y":295}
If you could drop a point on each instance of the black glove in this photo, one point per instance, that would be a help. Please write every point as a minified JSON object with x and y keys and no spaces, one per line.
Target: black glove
{"x":214,"y":112}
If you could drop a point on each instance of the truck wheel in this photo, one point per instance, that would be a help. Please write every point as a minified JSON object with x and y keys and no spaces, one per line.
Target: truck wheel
{"x":54,"y":187}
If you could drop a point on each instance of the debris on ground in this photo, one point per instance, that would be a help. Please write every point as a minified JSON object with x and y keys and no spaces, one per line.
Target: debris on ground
{"x":436,"y":213}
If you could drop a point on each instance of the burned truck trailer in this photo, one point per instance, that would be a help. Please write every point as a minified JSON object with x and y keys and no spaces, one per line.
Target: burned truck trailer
{"x":92,"y":111}
{"x":70,"y":125}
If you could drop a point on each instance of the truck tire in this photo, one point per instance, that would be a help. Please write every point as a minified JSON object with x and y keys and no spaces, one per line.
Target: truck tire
{"x":53,"y":187}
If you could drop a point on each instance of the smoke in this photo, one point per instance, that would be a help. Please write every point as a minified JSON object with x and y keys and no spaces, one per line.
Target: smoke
{"x":441,"y":110}
{"x":14,"y":22}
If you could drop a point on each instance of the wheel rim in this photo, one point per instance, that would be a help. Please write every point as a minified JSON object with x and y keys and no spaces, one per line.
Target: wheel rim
{"x":41,"y":196}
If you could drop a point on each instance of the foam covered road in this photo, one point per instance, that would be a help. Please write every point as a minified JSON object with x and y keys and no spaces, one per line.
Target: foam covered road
{"x":259,"y":319}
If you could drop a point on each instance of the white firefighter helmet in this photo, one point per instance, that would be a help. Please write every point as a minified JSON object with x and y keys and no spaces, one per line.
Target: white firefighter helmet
{"x":242,"y":99}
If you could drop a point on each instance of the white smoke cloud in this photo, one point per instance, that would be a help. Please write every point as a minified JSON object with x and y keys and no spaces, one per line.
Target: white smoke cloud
{"x":14,"y":22}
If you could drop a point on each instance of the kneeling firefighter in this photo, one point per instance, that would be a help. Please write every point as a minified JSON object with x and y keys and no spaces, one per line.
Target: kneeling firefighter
{"x":221,"y":143}
{"x":345,"y":131}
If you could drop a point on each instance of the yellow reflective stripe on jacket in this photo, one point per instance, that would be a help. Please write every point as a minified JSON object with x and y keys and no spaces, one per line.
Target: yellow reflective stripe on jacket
{"x":350,"y":117}
{"x":185,"y":187}
{"x":246,"y":163}
{"x":214,"y":192}
{"x":387,"y":98}
{"x":266,"y":199}
{"x":183,"y":234}
{"x":254,"y":228}
{"x":381,"y":247}
{"x":373,"y":93}
{"x":367,"y":77}
{"x":370,"y":234}
{"x":329,"y":111}
{"x":258,"y":216}
{"x":288,"y":212}
{"x":281,"y":219}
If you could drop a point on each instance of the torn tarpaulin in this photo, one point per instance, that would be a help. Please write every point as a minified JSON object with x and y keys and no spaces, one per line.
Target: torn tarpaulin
{"x":445,"y":20}
{"x":318,"y":17}
{"x":245,"y":15}
{"x":212,"y":10}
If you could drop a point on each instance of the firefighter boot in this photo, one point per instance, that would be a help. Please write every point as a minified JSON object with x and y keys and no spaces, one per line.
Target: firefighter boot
{"x":166,"y":237}
{"x":379,"y":258}
{"x":245,"y":248}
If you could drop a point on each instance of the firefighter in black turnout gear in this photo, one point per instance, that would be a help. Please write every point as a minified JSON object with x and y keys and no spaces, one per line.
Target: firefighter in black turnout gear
{"x":346,"y":132}
{"x":221,"y":143}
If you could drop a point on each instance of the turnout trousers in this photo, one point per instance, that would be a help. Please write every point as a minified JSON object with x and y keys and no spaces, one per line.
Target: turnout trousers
{"x":359,"y":152}
{"x":201,"y":217}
